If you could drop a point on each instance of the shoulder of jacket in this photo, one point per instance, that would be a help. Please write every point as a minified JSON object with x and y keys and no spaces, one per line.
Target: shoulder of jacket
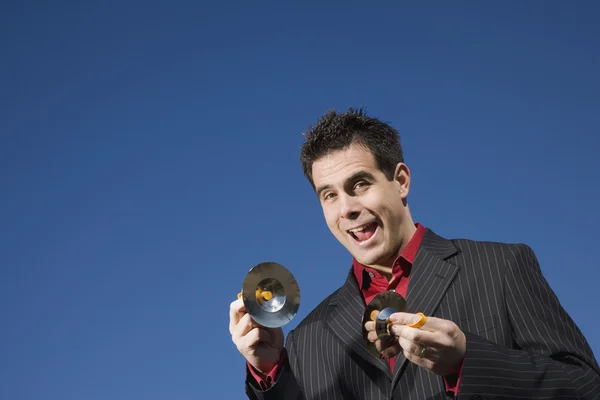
{"x":317,"y":314}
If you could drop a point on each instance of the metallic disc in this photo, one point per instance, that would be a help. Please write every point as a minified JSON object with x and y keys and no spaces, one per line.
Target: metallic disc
{"x":386,"y":303}
{"x":281,"y":306}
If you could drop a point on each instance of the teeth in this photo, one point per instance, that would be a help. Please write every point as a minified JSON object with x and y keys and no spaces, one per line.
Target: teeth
{"x":359,"y":229}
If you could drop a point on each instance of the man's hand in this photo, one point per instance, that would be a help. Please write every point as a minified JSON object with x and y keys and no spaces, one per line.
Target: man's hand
{"x":260,"y":346}
{"x":439,"y":345}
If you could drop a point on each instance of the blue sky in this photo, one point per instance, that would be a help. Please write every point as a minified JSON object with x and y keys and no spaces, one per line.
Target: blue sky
{"x":149,"y":158}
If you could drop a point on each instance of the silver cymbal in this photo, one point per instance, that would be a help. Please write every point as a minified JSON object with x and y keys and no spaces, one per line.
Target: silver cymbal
{"x":386,"y":303}
{"x":271,"y":295}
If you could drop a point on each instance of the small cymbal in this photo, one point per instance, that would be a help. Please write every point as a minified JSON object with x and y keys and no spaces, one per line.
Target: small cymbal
{"x":385,"y":303}
{"x":271,"y":295}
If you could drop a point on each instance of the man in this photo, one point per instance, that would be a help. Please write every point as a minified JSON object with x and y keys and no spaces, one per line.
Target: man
{"x":491,"y":327}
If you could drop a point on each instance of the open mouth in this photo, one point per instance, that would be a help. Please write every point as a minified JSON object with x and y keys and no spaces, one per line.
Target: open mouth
{"x":363,"y":232}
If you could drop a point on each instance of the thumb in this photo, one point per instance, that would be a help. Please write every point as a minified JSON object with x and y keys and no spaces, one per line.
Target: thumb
{"x":412,"y":320}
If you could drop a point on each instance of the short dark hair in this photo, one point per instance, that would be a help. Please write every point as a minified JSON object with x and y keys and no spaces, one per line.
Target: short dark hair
{"x":337,"y":131}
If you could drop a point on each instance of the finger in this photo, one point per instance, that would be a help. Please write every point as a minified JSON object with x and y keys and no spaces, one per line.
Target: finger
{"x":402,"y":318}
{"x":439,"y":334}
{"x":372,"y":336}
{"x":236,"y":311}
{"x":237,"y":306}
{"x":240,"y":306}
{"x":419,"y":336}
{"x":370,"y":325}
{"x":431,"y":323}
{"x":250,"y":341}
{"x":412,"y":353}
{"x":245,"y":325}
{"x":254,"y":337}
{"x":409,"y":348}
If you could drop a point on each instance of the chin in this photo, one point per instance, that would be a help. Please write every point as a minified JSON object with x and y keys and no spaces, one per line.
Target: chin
{"x":368,"y":259}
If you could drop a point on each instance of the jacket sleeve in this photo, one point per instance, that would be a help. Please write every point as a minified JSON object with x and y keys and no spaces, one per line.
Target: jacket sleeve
{"x":287,"y":386}
{"x":550,"y":358}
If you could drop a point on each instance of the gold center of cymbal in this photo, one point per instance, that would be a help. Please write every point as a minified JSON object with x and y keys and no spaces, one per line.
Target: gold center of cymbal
{"x":264,"y":295}
{"x":271,"y":295}
{"x":374,"y":314}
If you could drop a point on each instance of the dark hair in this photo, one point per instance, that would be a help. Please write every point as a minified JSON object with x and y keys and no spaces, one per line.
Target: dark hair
{"x":335,"y":131}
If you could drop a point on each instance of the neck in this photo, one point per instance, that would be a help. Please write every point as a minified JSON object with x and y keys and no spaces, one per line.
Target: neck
{"x":407,"y":232}
{"x":385,"y":271}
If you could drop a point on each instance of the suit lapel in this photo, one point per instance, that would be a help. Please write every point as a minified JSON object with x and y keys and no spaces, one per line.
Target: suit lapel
{"x":431,"y":274}
{"x":345,"y":320}
{"x":430,"y":277}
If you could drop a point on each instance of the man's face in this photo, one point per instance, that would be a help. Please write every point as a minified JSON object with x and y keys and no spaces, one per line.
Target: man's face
{"x":363,"y":209}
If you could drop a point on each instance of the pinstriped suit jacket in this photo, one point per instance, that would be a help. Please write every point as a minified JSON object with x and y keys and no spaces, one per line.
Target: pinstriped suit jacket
{"x":521,"y":344}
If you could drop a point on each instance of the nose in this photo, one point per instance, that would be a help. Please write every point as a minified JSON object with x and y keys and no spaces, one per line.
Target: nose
{"x":350,"y":208}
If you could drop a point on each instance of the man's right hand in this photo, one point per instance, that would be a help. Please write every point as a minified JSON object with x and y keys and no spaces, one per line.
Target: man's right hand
{"x":260,"y":346}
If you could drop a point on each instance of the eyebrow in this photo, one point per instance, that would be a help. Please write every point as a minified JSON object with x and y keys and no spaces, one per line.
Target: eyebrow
{"x":321,"y":189}
{"x":355,"y":177}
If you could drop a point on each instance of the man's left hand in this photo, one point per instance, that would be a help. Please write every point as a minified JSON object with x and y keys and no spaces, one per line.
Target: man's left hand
{"x":439,"y":345}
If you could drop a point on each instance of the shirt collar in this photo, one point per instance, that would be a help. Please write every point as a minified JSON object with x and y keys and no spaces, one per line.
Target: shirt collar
{"x":409,"y":253}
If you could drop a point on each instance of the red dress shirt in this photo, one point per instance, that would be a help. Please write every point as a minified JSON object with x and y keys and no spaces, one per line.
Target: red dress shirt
{"x":371,"y":283}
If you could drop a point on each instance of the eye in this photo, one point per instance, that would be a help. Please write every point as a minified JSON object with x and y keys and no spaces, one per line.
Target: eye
{"x":328,"y":196}
{"x":360,"y":185}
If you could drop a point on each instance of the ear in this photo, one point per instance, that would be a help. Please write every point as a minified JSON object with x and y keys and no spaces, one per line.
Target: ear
{"x":402,"y":178}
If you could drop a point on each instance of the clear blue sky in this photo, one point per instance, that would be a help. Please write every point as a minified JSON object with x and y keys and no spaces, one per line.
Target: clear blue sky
{"x":149,"y":159}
